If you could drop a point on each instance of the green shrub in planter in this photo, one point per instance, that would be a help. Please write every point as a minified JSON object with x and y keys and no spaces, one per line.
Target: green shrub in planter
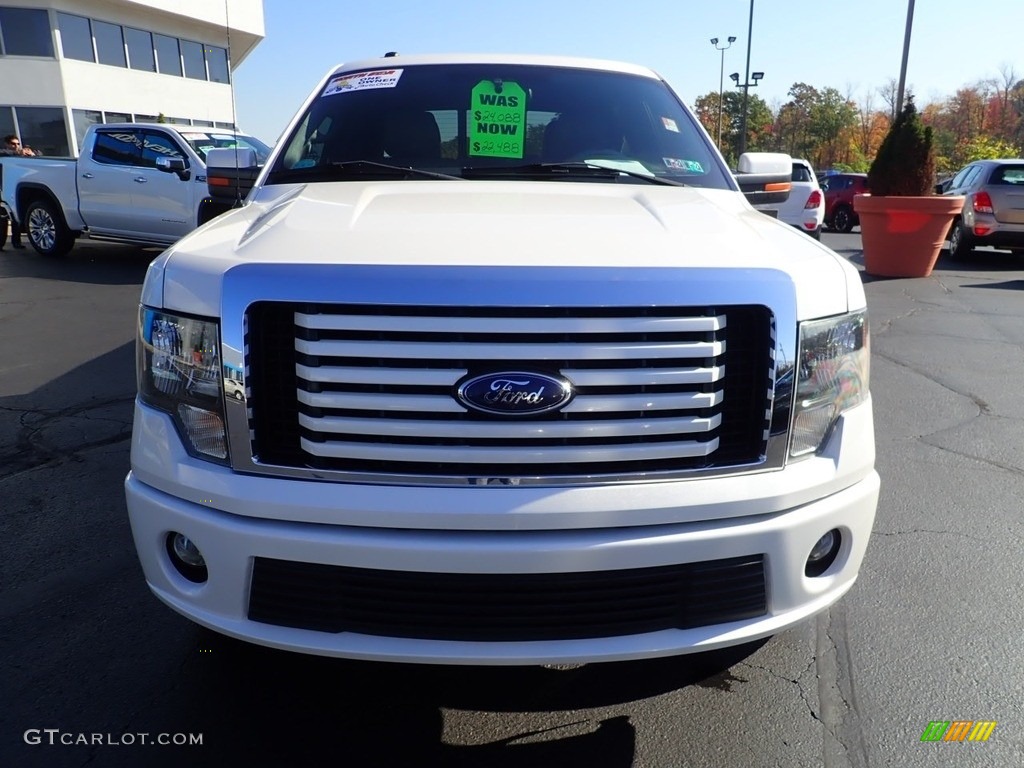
{"x":905,"y":163}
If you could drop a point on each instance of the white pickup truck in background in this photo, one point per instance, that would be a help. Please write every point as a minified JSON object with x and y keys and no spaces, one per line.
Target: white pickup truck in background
{"x":134,"y":182}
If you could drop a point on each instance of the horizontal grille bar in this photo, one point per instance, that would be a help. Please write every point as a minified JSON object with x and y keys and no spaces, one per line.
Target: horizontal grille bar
{"x":477,"y":430}
{"x":510,"y":326}
{"x":445,"y":403}
{"x":582,"y":377}
{"x":434,"y":350}
{"x":488,"y":457}
{"x":506,"y":607}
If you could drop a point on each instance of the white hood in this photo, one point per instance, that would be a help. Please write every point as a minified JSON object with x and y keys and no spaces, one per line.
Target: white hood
{"x":499,"y":223}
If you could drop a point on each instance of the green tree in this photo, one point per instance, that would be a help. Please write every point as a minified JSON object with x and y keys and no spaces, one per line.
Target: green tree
{"x":830,"y":115}
{"x":759,"y":122}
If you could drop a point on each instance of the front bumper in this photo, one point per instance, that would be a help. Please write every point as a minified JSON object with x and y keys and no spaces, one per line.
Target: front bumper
{"x":755,"y":518}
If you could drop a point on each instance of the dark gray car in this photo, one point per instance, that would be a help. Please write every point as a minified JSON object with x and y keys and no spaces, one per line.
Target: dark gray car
{"x":993,"y":212}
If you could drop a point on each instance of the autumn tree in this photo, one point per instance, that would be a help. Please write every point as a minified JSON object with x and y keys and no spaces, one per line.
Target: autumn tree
{"x":831,"y":116}
{"x":759,"y":121}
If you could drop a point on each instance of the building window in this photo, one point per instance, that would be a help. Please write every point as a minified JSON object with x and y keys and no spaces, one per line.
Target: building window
{"x":116,"y":117}
{"x":147,"y":118}
{"x":109,"y":43}
{"x":43,"y":129}
{"x":6,"y":121}
{"x":228,"y":126}
{"x":217,"y":63}
{"x":168,"y":58}
{"x":83,"y":119}
{"x":26,"y":32}
{"x":75,"y":37}
{"x":140,"y":49}
{"x":195,"y":63}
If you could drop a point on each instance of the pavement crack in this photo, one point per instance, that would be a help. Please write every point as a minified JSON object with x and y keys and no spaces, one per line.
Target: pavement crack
{"x":983,"y":460}
{"x":958,"y":534}
{"x":886,"y":325}
{"x":795,"y":681}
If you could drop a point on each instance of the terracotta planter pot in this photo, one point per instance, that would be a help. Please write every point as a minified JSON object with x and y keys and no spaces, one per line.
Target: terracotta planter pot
{"x":902,"y":236}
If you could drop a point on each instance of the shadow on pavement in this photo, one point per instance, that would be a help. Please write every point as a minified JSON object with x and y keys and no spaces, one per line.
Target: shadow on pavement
{"x":89,"y":262}
{"x":981,"y":260}
{"x":1006,"y":285}
{"x":276,"y":708}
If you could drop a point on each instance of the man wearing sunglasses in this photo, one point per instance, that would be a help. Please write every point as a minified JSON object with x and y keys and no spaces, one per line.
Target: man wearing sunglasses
{"x":13,"y":146}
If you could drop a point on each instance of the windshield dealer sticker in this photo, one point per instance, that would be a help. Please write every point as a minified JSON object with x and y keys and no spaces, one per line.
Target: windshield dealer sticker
{"x":691,"y":166}
{"x":497,"y":120}
{"x":363,"y":81}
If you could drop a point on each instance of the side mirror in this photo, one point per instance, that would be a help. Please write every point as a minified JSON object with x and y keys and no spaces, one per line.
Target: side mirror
{"x":174,"y":165}
{"x":765,"y":177}
{"x":230,"y":173}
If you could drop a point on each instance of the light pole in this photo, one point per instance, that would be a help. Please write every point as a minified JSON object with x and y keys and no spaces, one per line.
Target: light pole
{"x":746,"y":84}
{"x":752,"y":81}
{"x":906,"y":54}
{"x":721,"y":81}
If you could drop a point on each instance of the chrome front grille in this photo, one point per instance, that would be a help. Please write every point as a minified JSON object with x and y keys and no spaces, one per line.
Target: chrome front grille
{"x":371,"y":390}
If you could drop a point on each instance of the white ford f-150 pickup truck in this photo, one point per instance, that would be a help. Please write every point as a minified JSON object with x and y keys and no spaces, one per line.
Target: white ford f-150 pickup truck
{"x":497,"y":365}
{"x":133,"y":182}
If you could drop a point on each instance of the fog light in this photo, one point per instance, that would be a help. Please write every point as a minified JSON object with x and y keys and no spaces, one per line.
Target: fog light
{"x":186,"y":557}
{"x":823,"y":553}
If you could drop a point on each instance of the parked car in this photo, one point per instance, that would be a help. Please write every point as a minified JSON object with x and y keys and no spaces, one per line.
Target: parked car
{"x":993,"y":212}
{"x":805,"y":207}
{"x":839,"y":190}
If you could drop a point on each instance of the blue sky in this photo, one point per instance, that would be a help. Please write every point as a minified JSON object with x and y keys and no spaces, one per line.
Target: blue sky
{"x":852,"y":46}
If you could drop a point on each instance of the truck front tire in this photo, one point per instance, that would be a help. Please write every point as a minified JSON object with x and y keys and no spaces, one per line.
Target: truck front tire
{"x":46,"y":230}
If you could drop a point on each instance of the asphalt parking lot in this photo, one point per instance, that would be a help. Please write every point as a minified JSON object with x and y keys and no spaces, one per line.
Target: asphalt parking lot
{"x":931,"y":631}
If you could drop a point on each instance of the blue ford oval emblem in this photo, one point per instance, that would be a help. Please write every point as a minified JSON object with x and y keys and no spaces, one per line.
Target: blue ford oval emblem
{"x":515,"y":393}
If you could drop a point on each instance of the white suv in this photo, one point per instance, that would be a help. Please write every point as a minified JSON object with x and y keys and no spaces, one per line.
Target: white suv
{"x":805,"y":208}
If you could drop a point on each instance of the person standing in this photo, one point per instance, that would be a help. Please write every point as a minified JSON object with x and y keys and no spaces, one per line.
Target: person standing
{"x":13,"y":147}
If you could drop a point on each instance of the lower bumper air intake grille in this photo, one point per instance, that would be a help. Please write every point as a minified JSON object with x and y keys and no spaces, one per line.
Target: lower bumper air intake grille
{"x":506,"y":607}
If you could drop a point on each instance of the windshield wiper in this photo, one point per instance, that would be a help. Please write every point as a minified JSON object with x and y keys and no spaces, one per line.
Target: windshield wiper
{"x":370,"y":167}
{"x":349,"y":169}
{"x":565,"y":170}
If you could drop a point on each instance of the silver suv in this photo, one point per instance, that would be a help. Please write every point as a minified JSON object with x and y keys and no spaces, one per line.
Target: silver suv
{"x":993,"y":212}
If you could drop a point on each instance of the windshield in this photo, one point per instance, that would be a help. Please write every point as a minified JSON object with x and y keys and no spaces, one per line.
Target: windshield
{"x":203,"y":141}
{"x":498,"y":121}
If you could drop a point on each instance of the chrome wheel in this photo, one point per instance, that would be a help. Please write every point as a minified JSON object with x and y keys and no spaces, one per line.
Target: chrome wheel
{"x":42,"y":230}
{"x":46,"y":230}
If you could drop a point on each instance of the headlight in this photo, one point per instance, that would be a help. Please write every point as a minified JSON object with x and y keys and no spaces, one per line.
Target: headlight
{"x":832,"y":377}
{"x":179,"y":372}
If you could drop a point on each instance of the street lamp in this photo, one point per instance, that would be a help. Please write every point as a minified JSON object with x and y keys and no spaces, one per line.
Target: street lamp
{"x":721,"y":80}
{"x":753,"y":80}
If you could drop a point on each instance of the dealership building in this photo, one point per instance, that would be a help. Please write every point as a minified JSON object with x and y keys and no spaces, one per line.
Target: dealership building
{"x":65,"y":64}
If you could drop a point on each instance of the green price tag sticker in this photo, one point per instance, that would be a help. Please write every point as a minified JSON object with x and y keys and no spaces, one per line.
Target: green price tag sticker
{"x":497,"y":120}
